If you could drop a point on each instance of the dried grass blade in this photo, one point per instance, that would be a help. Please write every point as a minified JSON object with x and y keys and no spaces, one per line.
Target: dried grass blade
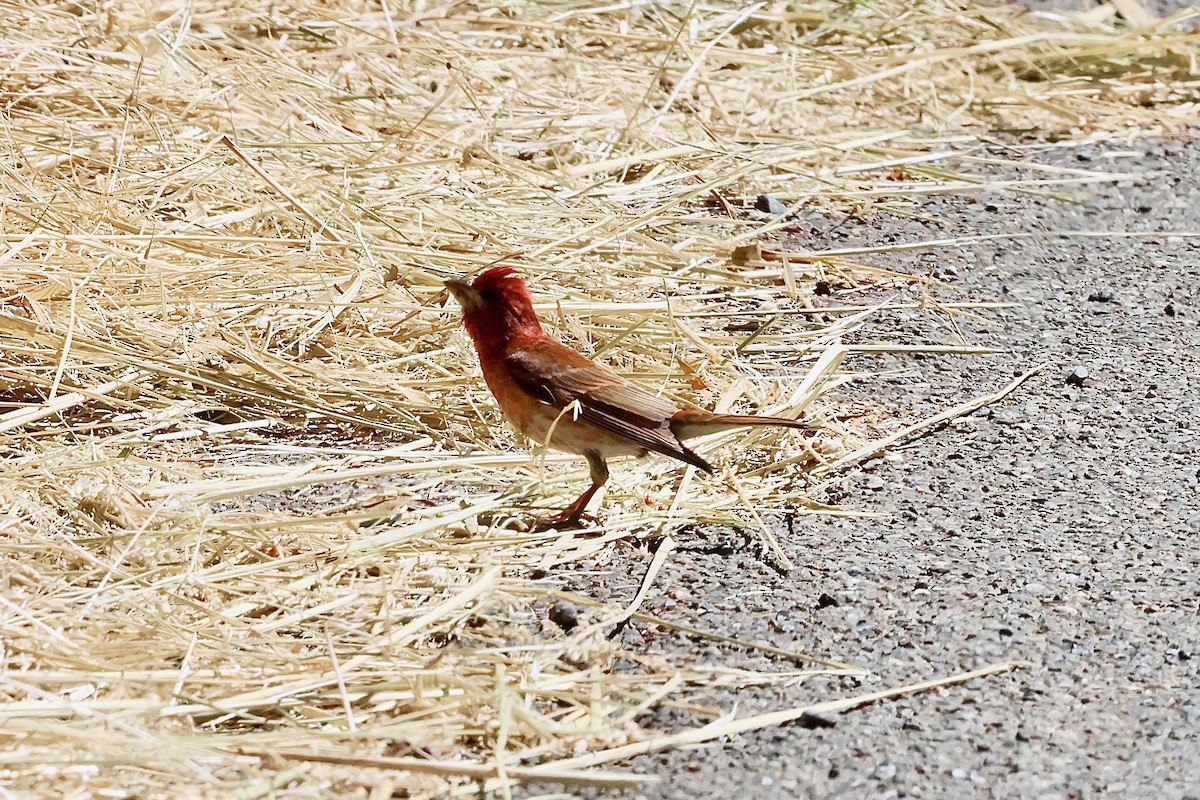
{"x":733,"y":727}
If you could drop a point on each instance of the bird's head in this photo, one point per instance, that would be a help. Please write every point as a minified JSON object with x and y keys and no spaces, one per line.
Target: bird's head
{"x":496,"y":306}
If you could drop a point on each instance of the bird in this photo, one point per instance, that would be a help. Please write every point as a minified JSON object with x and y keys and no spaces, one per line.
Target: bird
{"x":558,"y":397}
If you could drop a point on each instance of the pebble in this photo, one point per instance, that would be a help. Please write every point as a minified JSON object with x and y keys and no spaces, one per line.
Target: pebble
{"x":770,"y":205}
{"x":1006,"y":416}
{"x":1077,"y":376}
{"x":812,"y":721}
{"x":565,"y":615}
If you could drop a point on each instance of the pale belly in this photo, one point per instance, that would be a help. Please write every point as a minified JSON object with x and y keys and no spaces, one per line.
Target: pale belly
{"x":545,"y":424}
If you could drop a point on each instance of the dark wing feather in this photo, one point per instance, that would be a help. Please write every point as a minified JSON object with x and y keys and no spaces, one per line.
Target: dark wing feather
{"x":639,"y":416}
{"x":553,"y":373}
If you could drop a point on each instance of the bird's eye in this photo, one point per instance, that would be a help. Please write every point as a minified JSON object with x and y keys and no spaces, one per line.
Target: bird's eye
{"x":488,"y":296}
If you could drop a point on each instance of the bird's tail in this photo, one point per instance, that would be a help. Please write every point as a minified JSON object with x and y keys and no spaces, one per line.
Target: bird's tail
{"x":689,"y":423}
{"x":737,"y":420}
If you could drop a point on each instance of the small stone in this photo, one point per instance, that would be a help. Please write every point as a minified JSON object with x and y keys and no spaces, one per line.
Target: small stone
{"x":874,"y":483}
{"x":827,"y":600}
{"x":770,"y":205}
{"x":565,"y":615}
{"x":1077,"y":376}
{"x":1102,"y":296}
{"x":746,"y":254}
{"x":632,"y":638}
{"x":1006,"y":416}
{"x":1169,"y":309}
{"x":811,"y":721}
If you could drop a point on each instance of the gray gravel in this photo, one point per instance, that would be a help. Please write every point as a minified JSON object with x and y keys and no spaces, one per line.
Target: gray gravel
{"x":1058,"y":527}
{"x":1159,"y":8}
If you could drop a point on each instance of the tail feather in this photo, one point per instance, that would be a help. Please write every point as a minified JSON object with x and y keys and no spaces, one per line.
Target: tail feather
{"x":731,"y":420}
{"x":688,"y":423}
{"x":691,"y":457}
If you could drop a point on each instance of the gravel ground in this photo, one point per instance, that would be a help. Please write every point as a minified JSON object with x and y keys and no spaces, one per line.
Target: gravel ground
{"x":1059,"y":527}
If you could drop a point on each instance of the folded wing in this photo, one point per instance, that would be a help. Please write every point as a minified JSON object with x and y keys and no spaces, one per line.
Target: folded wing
{"x":557,"y":375}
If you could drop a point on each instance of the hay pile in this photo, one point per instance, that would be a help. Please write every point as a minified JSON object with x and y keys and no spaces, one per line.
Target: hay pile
{"x":224,"y":354}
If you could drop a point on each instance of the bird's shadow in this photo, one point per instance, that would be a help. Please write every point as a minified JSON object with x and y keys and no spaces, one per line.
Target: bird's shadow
{"x":727,"y":540}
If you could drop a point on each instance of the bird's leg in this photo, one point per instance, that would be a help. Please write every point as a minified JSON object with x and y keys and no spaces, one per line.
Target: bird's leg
{"x":571,"y":516}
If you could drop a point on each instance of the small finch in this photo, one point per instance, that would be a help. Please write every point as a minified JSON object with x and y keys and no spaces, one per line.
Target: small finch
{"x":558,"y":397}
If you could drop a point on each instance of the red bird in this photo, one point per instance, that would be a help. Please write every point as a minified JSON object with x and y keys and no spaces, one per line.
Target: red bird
{"x":558,"y":397}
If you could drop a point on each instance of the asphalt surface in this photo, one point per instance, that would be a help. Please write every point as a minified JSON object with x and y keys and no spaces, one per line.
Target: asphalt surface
{"x":1060,"y":526}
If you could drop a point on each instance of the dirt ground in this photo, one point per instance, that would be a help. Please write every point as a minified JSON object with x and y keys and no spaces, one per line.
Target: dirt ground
{"x":1058,"y":527}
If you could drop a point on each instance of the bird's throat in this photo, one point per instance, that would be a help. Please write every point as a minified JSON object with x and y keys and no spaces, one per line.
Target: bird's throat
{"x":493,"y":334}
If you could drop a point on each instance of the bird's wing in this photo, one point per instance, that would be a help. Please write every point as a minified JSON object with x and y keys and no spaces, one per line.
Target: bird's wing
{"x":553,"y":373}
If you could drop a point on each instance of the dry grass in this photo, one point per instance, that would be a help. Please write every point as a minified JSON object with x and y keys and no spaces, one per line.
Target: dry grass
{"x":223,"y":350}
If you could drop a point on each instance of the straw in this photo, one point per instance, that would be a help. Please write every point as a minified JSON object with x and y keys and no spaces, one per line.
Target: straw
{"x":265,"y":530}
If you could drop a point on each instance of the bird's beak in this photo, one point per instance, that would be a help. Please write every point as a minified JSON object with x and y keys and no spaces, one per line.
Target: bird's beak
{"x":466,"y":296}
